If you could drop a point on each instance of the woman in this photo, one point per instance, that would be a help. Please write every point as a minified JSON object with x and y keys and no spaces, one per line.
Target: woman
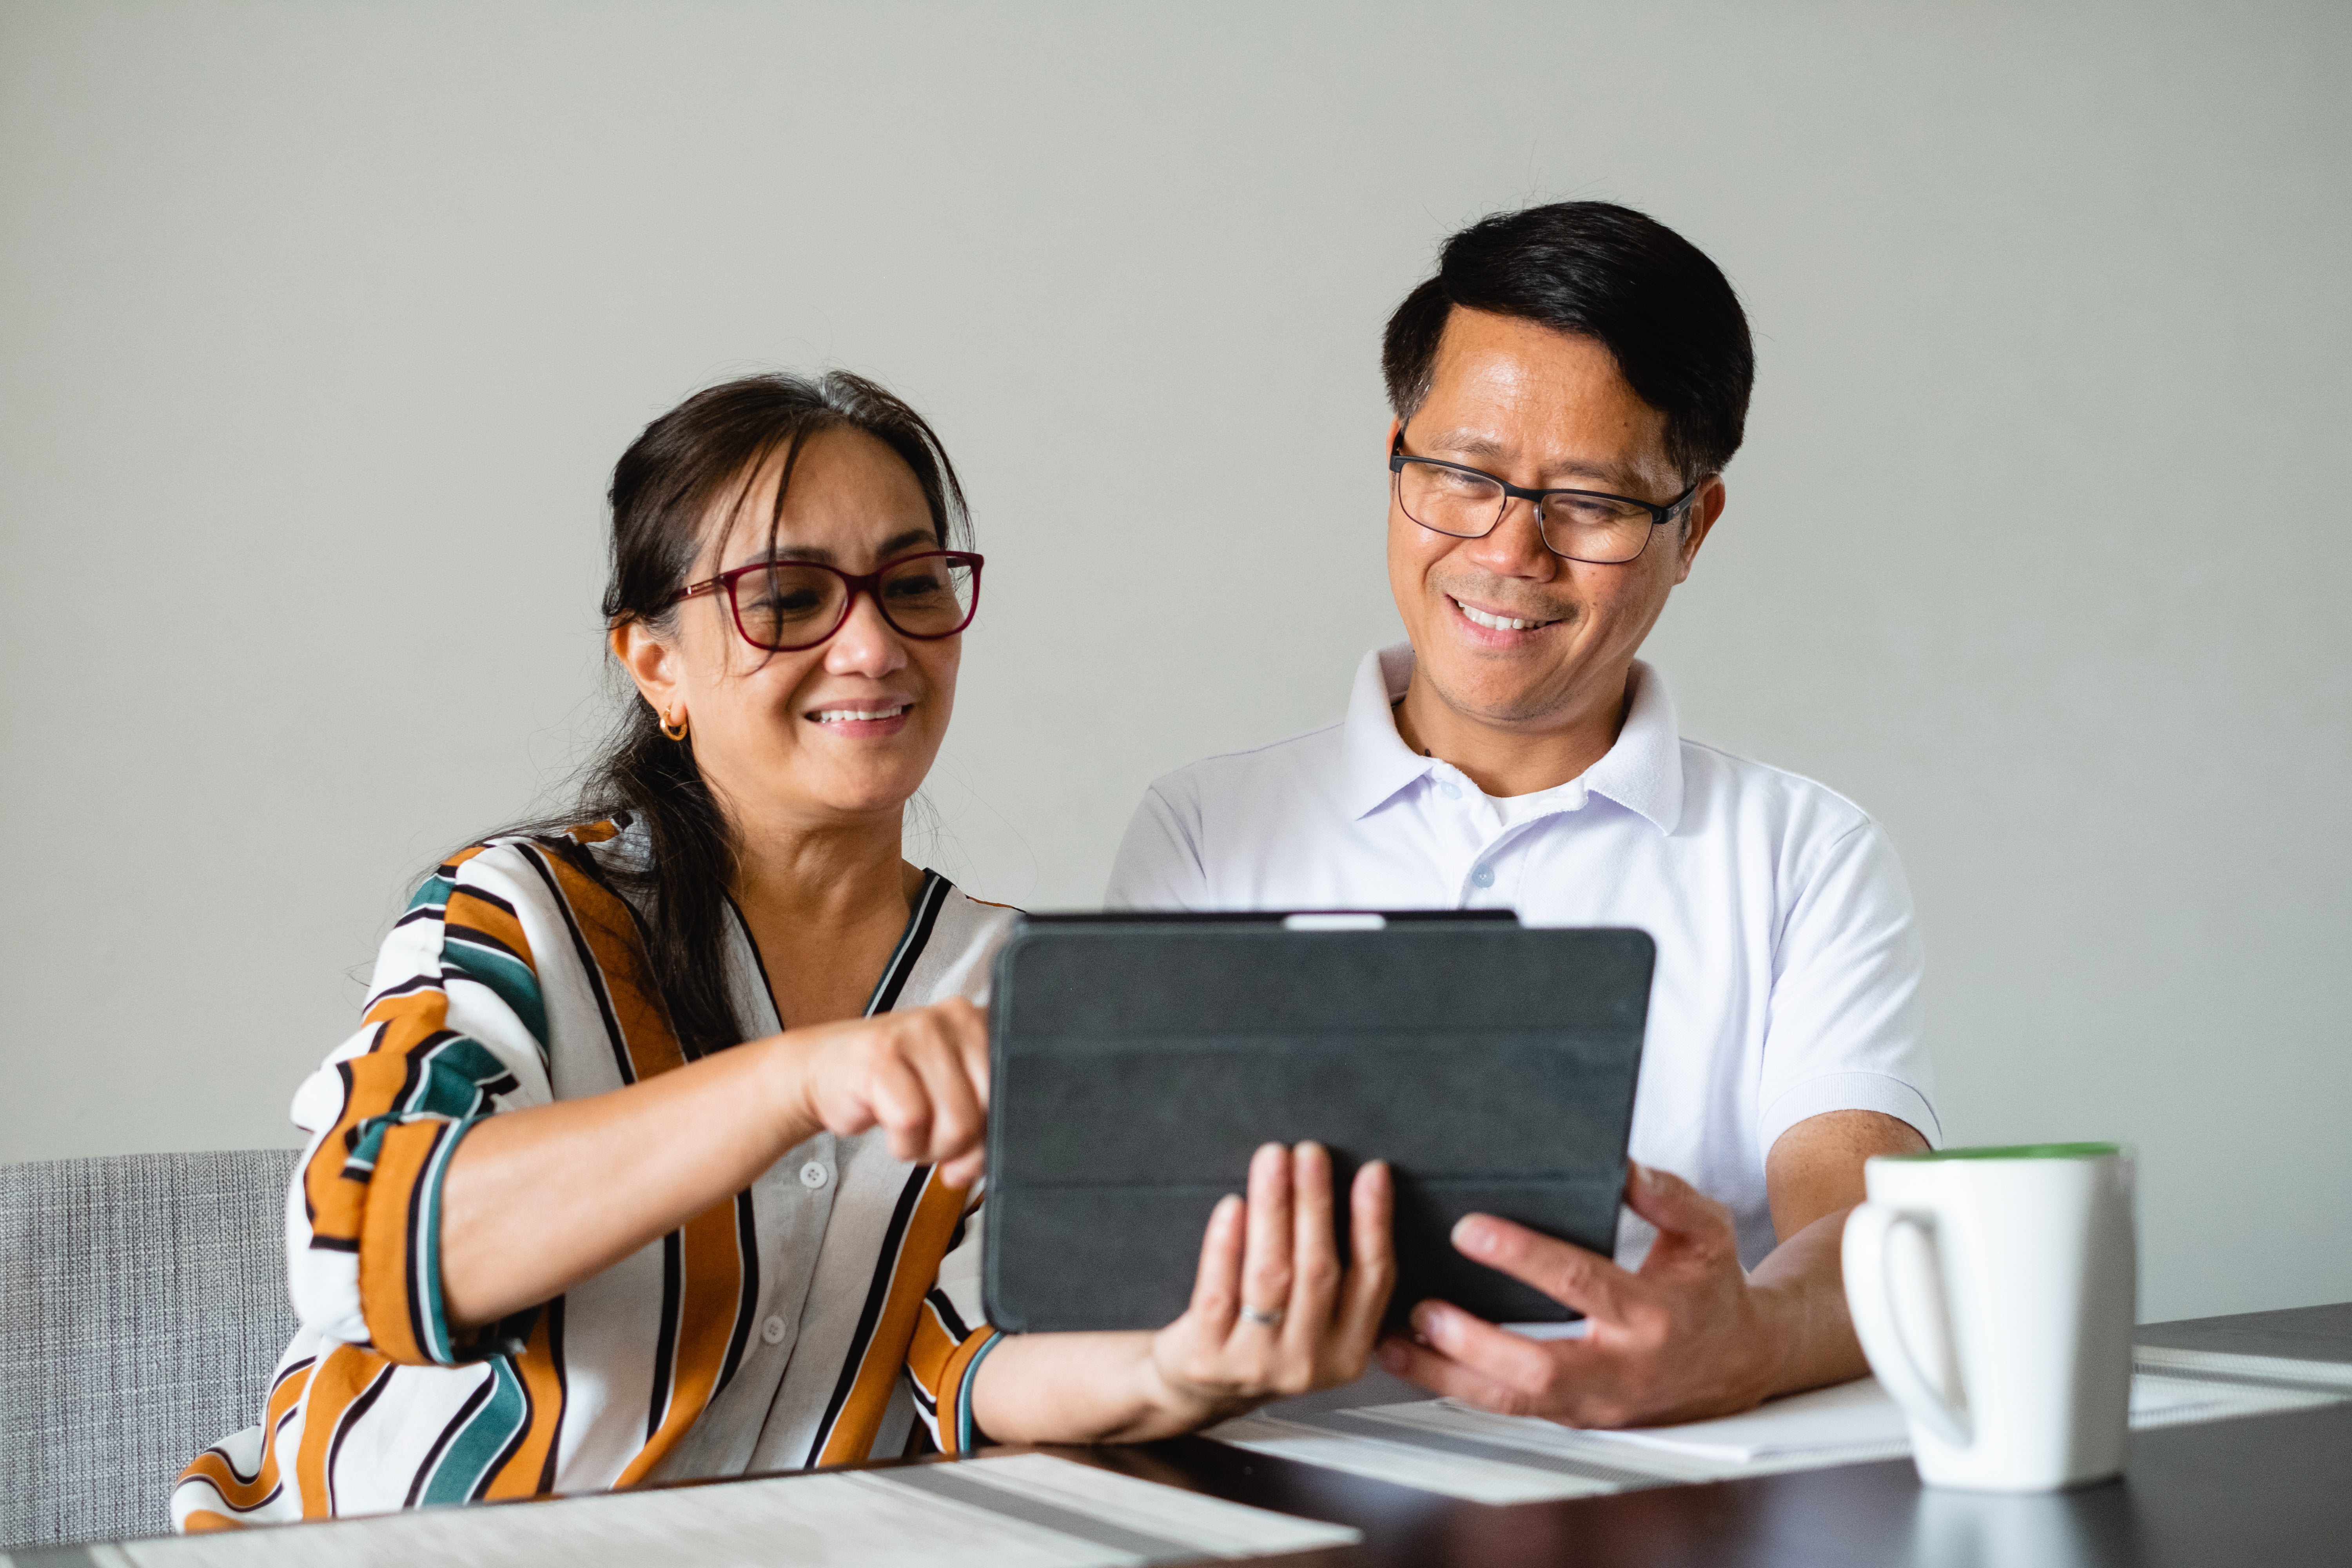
{"x":655,"y":1153}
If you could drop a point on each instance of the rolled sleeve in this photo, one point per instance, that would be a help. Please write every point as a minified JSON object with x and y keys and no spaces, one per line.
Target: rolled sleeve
{"x":1845,"y":1030}
{"x":1848,"y":1091}
{"x":455,"y":1031}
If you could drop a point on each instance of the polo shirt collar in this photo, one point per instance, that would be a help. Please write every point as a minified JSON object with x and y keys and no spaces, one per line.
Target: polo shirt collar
{"x":1643,"y":772}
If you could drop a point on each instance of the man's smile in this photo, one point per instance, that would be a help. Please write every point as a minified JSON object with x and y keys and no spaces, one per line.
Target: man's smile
{"x":1495,"y":621}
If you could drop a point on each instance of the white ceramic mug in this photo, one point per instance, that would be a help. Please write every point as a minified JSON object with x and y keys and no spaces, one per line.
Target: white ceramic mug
{"x":1994,"y":1291}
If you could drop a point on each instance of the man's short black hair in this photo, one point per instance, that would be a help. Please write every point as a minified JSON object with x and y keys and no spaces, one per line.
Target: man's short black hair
{"x":1603,"y":272}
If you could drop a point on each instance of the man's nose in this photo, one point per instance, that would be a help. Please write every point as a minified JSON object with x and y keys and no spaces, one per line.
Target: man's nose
{"x":1515,"y":547}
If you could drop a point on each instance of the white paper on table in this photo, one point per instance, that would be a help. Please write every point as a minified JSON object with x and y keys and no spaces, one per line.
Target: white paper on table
{"x":1854,"y":1414}
{"x":841,"y":1518}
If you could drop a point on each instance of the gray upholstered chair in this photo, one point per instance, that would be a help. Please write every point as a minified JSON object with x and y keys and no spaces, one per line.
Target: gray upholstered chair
{"x":142,"y":1305}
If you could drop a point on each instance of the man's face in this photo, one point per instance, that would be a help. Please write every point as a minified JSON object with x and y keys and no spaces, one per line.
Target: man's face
{"x":1542,"y":410}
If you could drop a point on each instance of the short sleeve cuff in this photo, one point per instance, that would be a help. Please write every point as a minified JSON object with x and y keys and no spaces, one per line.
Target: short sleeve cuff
{"x":1848,"y":1091}
{"x":400,"y":1253}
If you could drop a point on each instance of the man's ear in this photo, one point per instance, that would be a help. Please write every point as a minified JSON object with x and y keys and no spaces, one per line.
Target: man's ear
{"x":652,"y":663}
{"x":1396,"y":428}
{"x":1701,"y":517}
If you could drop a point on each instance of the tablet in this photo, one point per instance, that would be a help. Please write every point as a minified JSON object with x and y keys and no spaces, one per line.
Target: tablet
{"x":1136,"y":1065}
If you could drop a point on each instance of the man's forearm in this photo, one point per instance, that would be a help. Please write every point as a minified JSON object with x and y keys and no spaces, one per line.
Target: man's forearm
{"x":1809,"y":1341}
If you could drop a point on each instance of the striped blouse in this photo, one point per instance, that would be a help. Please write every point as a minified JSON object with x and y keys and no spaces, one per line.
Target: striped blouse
{"x":808,"y":1319}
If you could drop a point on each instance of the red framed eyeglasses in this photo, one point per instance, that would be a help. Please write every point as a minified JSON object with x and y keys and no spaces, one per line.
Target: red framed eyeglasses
{"x":782,"y":607}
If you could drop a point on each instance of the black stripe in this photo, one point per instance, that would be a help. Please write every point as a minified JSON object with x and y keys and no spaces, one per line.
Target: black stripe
{"x":421,"y":912}
{"x":483,"y":895}
{"x":513,"y":1444}
{"x":416,"y":1212}
{"x":422,"y":983}
{"x":758,"y":962}
{"x":949,"y":1319}
{"x":357,"y":1408}
{"x":926,"y":914}
{"x":473,"y":936}
{"x":269,"y":1438}
{"x":433,"y":1455}
{"x":563,"y":1392}
{"x":747,"y":1306}
{"x":666,"y":1347}
{"x":532,"y":857}
{"x":877,"y":1293}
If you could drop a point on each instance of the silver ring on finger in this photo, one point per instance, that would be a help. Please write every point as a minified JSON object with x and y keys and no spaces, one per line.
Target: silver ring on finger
{"x":1264,"y":1316}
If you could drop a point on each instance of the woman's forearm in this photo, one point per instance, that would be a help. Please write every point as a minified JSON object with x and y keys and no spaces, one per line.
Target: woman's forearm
{"x":536,"y":1200}
{"x":1077,"y":1388}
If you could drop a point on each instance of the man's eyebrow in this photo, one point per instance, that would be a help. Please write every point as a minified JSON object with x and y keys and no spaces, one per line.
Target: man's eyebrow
{"x":1482,"y":451}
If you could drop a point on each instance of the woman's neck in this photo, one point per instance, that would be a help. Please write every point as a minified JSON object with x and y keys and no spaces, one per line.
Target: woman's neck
{"x":825,"y":904}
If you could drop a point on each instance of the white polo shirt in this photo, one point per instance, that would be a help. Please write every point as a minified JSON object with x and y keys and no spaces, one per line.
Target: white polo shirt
{"x":1789,"y":959}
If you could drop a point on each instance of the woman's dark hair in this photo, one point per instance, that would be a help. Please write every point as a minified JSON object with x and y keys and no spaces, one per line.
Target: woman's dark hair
{"x":1601,"y":271}
{"x":666,"y":489}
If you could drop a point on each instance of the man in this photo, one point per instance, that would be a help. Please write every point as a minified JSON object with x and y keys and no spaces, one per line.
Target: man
{"x":1567,"y":392}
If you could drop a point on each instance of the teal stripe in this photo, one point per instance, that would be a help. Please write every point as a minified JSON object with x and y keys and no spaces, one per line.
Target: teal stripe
{"x":426,"y":1248}
{"x":465,"y":1465}
{"x":506,"y":977}
{"x":966,"y":1432}
{"x":432,"y":892}
{"x":454,"y":1077}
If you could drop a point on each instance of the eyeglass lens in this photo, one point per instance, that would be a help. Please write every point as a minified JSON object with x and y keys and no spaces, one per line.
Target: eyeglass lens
{"x":1581,"y":527}
{"x":789,"y":604}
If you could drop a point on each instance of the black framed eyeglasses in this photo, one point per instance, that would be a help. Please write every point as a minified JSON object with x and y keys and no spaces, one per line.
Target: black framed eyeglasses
{"x":1592,"y":526}
{"x":782,"y":607}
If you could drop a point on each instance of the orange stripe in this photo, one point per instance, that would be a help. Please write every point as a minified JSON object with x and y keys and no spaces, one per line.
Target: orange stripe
{"x":378,"y":1079}
{"x":950,"y":1393}
{"x":342,"y":1375}
{"x":201,"y":1520}
{"x":388,"y":1289}
{"x":592,"y":833}
{"x":466,"y":908}
{"x":213,"y":1467}
{"x":610,"y":934}
{"x":522,"y":1473}
{"x":712,"y":1289}
{"x":710,"y":1295}
{"x":928,"y":1230}
{"x":928,"y":1355}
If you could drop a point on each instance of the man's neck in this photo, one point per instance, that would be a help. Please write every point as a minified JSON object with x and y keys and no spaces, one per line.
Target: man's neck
{"x":1515,"y":757}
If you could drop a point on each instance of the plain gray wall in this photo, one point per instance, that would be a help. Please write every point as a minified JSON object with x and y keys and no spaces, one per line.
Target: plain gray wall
{"x":325,"y":322}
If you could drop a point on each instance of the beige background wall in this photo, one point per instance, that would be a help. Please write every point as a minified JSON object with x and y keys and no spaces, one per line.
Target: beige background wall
{"x":323,"y":325}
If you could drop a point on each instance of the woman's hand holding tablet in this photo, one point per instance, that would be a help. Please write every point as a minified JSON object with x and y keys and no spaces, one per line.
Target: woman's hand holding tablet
{"x":1273,"y":1314}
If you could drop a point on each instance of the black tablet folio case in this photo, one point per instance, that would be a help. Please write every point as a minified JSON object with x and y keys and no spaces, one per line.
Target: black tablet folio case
{"x":1134,"y":1068}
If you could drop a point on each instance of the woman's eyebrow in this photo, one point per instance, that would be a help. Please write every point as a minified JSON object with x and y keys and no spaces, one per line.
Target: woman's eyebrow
{"x":823,"y":557}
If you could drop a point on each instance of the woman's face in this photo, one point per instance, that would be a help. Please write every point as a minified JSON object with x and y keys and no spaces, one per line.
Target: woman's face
{"x":827,"y":734}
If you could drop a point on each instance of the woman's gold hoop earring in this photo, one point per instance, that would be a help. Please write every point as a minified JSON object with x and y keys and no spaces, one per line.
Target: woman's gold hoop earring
{"x":677,"y":733}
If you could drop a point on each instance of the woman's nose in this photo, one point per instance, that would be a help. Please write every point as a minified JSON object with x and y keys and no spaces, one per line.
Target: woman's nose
{"x":866,"y":644}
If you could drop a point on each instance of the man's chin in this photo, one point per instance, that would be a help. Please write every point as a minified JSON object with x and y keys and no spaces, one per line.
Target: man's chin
{"x":1486,"y":696}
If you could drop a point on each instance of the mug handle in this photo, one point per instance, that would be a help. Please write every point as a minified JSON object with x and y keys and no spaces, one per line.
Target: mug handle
{"x":1869,"y":1297}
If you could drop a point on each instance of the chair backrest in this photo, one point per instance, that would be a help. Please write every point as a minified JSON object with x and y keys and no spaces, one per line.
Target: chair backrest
{"x":142,"y":1307}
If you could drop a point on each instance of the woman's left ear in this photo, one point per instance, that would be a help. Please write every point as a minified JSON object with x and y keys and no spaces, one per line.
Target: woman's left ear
{"x":651,"y":663}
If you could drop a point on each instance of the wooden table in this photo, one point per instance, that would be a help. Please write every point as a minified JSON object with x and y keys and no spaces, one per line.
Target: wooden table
{"x":2264,"y":1489}
{"x":2261,"y":1490}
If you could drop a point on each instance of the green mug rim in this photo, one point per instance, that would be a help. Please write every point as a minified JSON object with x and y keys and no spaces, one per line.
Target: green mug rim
{"x":2019,"y":1151}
